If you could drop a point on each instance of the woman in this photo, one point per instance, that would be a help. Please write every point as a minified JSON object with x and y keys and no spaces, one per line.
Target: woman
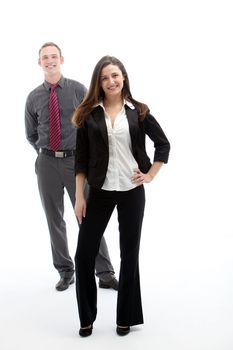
{"x":111,"y":155}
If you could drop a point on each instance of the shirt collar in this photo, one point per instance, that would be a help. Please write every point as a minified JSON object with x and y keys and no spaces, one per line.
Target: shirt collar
{"x":59,"y":83}
{"x":127,"y":103}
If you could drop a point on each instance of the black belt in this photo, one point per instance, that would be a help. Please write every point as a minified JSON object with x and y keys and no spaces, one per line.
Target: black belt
{"x":57,"y":154}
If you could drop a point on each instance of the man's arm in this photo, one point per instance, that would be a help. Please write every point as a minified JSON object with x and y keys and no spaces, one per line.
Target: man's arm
{"x":31,"y":124}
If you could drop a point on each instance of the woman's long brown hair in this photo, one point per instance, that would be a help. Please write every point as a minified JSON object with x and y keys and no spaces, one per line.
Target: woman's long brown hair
{"x":96,"y":94}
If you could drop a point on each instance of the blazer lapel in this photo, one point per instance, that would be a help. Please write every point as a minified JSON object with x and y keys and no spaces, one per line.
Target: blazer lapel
{"x":132,"y":117}
{"x":99,"y":117}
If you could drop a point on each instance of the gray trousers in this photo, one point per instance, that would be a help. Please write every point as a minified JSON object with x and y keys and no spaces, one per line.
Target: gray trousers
{"x":54,"y":175}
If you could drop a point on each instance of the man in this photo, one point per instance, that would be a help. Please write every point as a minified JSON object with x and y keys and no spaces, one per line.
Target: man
{"x":49,"y":130}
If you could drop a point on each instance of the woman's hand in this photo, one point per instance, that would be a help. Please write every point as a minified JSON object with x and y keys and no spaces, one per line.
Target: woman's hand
{"x":140,"y":178}
{"x":80,"y":202}
{"x":80,"y":209}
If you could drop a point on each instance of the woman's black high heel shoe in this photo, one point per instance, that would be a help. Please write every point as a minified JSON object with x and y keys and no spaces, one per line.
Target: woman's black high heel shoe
{"x":85,"y":332}
{"x":122,"y":330}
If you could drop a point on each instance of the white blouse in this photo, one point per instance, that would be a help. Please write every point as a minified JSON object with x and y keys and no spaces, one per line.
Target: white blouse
{"x":121,"y":163}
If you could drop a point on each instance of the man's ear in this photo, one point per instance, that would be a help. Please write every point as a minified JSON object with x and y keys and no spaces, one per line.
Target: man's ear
{"x":62,"y":59}
{"x":39,"y":62}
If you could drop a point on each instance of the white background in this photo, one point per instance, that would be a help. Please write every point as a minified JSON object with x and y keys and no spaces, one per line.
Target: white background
{"x":179,"y":58}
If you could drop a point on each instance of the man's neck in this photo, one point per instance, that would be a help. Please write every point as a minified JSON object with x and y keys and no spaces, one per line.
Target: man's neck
{"x":53,"y":79}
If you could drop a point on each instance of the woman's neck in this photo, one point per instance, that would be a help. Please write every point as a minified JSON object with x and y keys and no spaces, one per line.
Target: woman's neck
{"x":112,"y":108}
{"x":112,"y":102}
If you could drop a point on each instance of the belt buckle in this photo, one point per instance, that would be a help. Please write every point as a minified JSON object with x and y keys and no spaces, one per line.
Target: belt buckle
{"x":59,"y":154}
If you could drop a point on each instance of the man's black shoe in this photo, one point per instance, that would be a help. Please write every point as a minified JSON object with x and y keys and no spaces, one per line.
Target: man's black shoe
{"x":122,"y":330}
{"x":112,"y":283}
{"x":64,"y":283}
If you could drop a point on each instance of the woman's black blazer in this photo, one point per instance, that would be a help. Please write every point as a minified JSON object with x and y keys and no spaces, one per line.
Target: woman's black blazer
{"x":92,"y":150}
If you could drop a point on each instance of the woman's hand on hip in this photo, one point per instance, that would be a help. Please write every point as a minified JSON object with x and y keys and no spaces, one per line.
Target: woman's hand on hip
{"x":140,"y":178}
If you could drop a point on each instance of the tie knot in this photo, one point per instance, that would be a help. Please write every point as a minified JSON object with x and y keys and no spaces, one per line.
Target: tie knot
{"x":53,"y":87}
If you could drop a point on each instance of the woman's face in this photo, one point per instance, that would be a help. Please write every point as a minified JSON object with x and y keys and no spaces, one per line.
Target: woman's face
{"x":111,"y":80}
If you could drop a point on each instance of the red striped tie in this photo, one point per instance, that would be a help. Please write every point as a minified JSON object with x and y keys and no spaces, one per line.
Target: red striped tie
{"x":55,"y":129}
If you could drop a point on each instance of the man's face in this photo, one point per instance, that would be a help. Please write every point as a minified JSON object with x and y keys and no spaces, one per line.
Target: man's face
{"x":50,"y":60}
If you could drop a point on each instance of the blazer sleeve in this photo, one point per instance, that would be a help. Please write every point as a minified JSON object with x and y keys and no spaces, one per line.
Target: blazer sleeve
{"x":157,"y":135}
